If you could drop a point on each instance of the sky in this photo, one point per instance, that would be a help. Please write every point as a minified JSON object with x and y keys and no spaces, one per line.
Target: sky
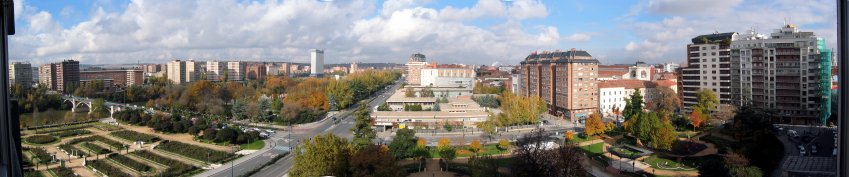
{"x":485,"y":32}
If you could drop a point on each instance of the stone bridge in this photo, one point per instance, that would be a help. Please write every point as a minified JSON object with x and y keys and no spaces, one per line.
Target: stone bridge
{"x":78,"y":102}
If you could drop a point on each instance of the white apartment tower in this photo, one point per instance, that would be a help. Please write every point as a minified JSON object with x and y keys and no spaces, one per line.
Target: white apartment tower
{"x":215,"y":70}
{"x":235,"y":71}
{"x":708,"y":67}
{"x":177,"y":71}
{"x":316,"y":63}
{"x":193,"y":71}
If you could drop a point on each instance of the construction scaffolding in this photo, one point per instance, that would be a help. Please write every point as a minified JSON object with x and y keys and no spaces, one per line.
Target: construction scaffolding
{"x":825,"y":80}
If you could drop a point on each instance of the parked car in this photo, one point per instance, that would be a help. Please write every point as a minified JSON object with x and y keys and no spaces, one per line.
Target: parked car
{"x":813,"y":149}
{"x":801,"y":150}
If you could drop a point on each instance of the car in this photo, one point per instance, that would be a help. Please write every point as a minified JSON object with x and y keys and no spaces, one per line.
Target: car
{"x":801,"y":150}
{"x":834,"y":152}
{"x":813,"y":149}
{"x":792,"y":133}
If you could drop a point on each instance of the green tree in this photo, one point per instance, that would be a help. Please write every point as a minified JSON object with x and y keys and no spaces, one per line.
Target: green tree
{"x":239,"y":110}
{"x":436,"y":107}
{"x":262,"y":108}
{"x":404,"y":144}
{"x":374,"y":161}
{"x":664,"y":135}
{"x":752,"y":171}
{"x":384,"y":107}
{"x":633,"y":105}
{"x":706,"y":102}
{"x":276,"y":106}
{"x":323,"y":155}
{"x":426,"y":92}
{"x":98,"y":108}
{"x":409,"y":93}
{"x":363,"y":133}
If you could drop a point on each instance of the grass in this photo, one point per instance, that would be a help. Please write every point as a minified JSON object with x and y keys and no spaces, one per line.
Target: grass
{"x":667,"y":164}
{"x":581,"y":138}
{"x":463,"y":151}
{"x":257,"y":144}
{"x":594,"y":149}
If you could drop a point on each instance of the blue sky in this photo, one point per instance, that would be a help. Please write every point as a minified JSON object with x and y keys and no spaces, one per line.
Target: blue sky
{"x":463,"y":31}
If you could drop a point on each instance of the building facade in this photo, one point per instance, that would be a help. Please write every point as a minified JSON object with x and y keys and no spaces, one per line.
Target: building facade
{"x":566,"y":80}
{"x":447,"y":77}
{"x":114,"y":78}
{"x":255,"y":71}
{"x":235,"y":71}
{"x":708,"y":67}
{"x":789,"y":71}
{"x":613,"y":93}
{"x":414,"y":65}
{"x":316,"y":63}
{"x":177,"y":71}
{"x":215,"y":70}
{"x":20,"y":74}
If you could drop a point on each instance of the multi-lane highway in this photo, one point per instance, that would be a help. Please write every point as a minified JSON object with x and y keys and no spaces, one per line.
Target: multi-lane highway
{"x":280,"y":168}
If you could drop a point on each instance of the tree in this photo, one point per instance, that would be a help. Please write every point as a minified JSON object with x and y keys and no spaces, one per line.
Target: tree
{"x":323,"y":155}
{"x":475,"y":146}
{"x":374,"y":161}
{"x":706,"y":102}
{"x":276,"y":106}
{"x":664,"y":136}
{"x":363,"y":133}
{"x":665,"y":102}
{"x":421,"y":143}
{"x":436,"y":107}
{"x":426,"y":92}
{"x":483,"y":166}
{"x":752,"y":171}
{"x":98,"y":107}
{"x":443,"y":143}
{"x":570,"y":135}
{"x":633,"y":105}
{"x":384,"y":107}
{"x":503,"y":144}
{"x":262,"y":109}
{"x":696,"y":118}
{"x":239,"y":109}
{"x":409,"y":93}
{"x":448,"y":153}
{"x":594,"y":125}
{"x":534,"y":158}
{"x":404,"y":144}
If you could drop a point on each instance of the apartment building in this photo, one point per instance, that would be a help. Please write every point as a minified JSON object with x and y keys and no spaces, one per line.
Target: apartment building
{"x":215,"y":70}
{"x":255,"y":71}
{"x":236,"y":71}
{"x":62,"y":76}
{"x":447,"y":76}
{"x":177,"y":71}
{"x":193,"y":70}
{"x":414,"y":65}
{"x":708,"y":67}
{"x":788,"y":71}
{"x":20,"y":74}
{"x":114,"y":78}
{"x":613,"y":93}
{"x":566,"y":80}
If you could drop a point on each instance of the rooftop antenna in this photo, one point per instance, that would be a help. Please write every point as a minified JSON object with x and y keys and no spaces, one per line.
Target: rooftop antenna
{"x":785,"y":21}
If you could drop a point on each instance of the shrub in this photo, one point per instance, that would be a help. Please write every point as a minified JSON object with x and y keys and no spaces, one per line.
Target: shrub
{"x":40,"y":139}
{"x":175,"y":168}
{"x":70,"y":133}
{"x":63,"y":171}
{"x":95,"y":148}
{"x":135,"y":165}
{"x":108,"y":170}
{"x":42,"y":155}
{"x":135,"y":136}
{"x":192,"y":151}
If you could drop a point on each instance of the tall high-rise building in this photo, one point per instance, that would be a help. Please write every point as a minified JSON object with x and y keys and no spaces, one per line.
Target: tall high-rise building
{"x":316,"y":63}
{"x":235,"y":71}
{"x":62,"y":76}
{"x":353,"y":68}
{"x":788,"y":71}
{"x":177,"y":71}
{"x":566,"y":80}
{"x":708,"y":67}
{"x":414,"y":66}
{"x":193,"y":70}
{"x":255,"y":71}
{"x":215,"y":70}
{"x":20,"y":74}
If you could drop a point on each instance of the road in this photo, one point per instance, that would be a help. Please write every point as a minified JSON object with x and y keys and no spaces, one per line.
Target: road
{"x":342,"y":129}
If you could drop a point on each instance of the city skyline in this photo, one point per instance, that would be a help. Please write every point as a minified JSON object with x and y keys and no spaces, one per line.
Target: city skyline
{"x":491,"y":31}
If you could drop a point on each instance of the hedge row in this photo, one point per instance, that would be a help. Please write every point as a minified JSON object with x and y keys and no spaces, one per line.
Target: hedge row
{"x":70,"y":133}
{"x":97,"y":149}
{"x":107,"y":141}
{"x":63,"y":171}
{"x":135,"y":165}
{"x":192,"y":151}
{"x":108,"y":170}
{"x":175,"y":168}
{"x":41,"y":154}
{"x":63,"y":128}
{"x":41,"y":139}
{"x":135,"y":136}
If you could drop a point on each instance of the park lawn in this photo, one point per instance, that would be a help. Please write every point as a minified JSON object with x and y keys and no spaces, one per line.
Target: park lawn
{"x":594,"y":149}
{"x":654,"y":160}
{"x":463,"y":151}
{"x":684,"y":134}
{"x":582,"y":138}
{"x":257,"y":144}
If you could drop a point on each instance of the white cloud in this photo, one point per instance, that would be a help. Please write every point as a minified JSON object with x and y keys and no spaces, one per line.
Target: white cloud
{"x":579,"y":37}
{"x":692,"y":7}
{"x":274,"y":30}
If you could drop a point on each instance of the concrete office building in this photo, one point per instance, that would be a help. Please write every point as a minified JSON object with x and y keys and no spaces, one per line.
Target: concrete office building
{"x":20,"y":74}
{"x":62,"y":76}
{"x":447,"y":77}
{"x":316,"y":63}
{"x":788,"y":71}
{"x":566,"y":80}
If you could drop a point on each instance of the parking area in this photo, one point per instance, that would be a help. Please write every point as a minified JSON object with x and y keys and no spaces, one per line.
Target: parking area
{"x":813,"y":141}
